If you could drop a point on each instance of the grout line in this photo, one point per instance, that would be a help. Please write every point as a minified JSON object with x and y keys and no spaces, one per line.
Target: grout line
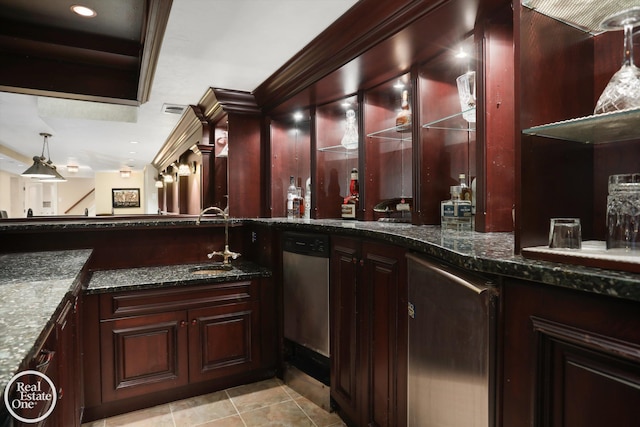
{"x":173,"y":419}
{"x":298,"y":405}
{"x":235,"y":407}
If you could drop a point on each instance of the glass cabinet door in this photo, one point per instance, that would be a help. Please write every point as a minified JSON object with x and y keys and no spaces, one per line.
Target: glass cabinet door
{"x":337,"y":142}
{"x":447,"y":92}
{"x":388,"y":151}
{"x":290,"y":157}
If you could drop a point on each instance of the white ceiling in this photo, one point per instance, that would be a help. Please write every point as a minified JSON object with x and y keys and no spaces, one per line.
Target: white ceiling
{"x":231,"y":44}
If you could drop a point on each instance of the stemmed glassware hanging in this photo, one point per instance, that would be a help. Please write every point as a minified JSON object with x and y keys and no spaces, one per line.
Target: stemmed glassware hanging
{"x":623,"y":90}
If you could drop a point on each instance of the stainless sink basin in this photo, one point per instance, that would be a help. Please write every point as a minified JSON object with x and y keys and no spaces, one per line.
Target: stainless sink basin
{"x":211,"y":269}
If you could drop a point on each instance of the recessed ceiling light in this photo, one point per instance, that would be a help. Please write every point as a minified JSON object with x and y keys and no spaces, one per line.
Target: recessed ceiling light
{"x":133,"y":142}
{"x":83,"y":11}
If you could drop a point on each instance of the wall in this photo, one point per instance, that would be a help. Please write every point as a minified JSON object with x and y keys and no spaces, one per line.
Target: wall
{"x":106,"y":181}
{"x":71,"y":192}
{"x":150,"y":200}
{"x":5,"y":191}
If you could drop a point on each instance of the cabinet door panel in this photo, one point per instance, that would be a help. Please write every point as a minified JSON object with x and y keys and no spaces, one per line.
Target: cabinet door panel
{"x":143,"y":354}
{"x":569,"y":358}
{"x":345,"y":367}
{"x":382,"y":278}
{"x":223,"y":340}
{"x":578,"y":385}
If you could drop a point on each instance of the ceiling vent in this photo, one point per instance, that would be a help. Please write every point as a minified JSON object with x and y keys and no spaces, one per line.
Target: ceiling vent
{"x":173,"y":108}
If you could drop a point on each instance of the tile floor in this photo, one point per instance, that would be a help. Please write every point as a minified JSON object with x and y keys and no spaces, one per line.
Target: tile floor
{"x":265,"y":403}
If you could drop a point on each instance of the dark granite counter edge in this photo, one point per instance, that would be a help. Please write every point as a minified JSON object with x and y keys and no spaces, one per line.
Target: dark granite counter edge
{"x":604,"y":282}
{"x":136,"y":279}
{"x":618,"y":284}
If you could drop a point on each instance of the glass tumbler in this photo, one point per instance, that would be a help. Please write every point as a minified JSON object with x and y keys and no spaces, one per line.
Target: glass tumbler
{"x":623,"y":212}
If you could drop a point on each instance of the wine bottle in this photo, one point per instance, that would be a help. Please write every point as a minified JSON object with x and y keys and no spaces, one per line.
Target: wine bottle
{"x":465,"y":190}
{"x":350,"y":203}
{"x":291,"y":195}
{"x":403,"y":118}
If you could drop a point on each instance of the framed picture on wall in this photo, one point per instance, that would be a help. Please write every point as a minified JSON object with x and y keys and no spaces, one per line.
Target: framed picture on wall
{"x":125,"y":197}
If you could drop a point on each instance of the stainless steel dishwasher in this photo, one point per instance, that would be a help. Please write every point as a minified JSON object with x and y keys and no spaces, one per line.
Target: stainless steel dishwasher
{"x":305,"y":264}
{"x":452,"y":345}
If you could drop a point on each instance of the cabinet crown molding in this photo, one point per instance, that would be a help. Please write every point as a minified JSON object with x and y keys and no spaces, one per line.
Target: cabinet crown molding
{"x":192,"y":129}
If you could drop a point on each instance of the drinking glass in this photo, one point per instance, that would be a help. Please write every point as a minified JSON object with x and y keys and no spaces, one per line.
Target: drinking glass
{"x":623,"y":212}
{"x":565,"y":233}
{"x":623,"y":90}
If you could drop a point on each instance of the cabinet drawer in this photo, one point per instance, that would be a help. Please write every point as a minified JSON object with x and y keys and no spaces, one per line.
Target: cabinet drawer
{"x":123,"y":304}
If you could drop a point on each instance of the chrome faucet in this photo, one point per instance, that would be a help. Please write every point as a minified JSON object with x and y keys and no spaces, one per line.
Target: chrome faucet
{"x":226,"y":254}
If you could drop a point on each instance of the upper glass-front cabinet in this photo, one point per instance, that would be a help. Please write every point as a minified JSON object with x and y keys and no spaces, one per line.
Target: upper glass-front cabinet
{"x":414,"y":119}
{"x":337,"y":145}
{"x":565,"y":63}
{"x":290,"y":157}
{"x":448,"y":98}
{"x":389,"y":121}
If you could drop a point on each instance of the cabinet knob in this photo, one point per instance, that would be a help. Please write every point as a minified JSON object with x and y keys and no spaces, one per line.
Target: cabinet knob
{"x":194,"y":322}
{"x":354,"y":261}
{"x":183,"y":323}
{"x":361,"y":262}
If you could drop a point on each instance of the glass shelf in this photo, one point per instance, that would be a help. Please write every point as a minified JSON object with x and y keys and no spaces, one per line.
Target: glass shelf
{"x":586,"y":15}
{"x":340,"y":149}
{"x":450,"y":122}
{"x":395,"y":133}
{"x":599,"y":128}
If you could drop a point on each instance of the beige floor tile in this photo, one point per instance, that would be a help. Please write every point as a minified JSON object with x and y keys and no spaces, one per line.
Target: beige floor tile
{"x":258,"y":395}
{"x":294,"y":394}
{"x":158,"y":416}
{"x":319,"y":416}
{"x":233,"y":421}
{"x":264,"y":404}
{"x":285,"y":414}
{"x":200,"y":409}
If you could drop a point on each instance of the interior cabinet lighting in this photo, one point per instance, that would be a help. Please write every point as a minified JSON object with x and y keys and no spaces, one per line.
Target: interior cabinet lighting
{"x":83,"y":11}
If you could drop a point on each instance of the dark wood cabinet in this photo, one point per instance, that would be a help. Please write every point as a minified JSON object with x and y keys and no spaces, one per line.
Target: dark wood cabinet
{"x":161,"y":344}
{"x":570,"y":359}
{"x":143,"y":354}
{"x":223,"y":340}
{"x":58,"y":358}
{"x":70,"y":390}
{"x":368,"y":338}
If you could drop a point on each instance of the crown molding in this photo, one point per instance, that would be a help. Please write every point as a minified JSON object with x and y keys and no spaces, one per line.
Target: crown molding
{"x":192,"y":129}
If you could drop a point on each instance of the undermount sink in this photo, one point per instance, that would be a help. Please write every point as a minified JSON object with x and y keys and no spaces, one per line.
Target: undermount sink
{"x":212,"y":269}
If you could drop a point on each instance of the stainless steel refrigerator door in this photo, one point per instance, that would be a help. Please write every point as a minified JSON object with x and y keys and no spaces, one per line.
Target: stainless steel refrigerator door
{"x":306,"y":300}
{"x":451,"y":317}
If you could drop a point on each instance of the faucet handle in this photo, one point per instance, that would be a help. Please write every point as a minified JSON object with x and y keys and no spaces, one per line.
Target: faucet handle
{"x":215,"y":253}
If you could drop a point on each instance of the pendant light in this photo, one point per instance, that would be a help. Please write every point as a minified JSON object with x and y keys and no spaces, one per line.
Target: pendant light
{"x":42,"y":167}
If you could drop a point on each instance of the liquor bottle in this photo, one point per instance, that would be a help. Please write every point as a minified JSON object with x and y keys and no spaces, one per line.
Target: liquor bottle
{"x":291,"y":195}
{"x":307,"y":200}
{"x":354,"y":186}
{"x":350,"y":203}
{"x":465,"y":190}
{"x":298,"y":203}
{"x":403,"y":118}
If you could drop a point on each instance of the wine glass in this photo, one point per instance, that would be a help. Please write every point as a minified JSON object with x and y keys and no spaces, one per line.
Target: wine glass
{"x":623,"y":90}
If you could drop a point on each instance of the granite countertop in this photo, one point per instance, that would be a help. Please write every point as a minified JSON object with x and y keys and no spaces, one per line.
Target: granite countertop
{"x":490,"y":253}
{"x":34,"y":286}
{"x":140,"y":278}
